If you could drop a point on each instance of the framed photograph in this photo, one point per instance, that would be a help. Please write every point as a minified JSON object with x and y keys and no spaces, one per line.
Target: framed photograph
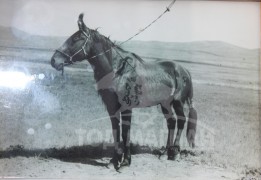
{"x":129,"y":89}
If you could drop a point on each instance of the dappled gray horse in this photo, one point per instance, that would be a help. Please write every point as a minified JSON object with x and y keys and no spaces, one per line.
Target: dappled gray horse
{"x":125,"y":81}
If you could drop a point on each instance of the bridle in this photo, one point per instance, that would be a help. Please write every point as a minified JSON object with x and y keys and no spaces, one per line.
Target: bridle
{"x":77,"y":52}
{"x":70,"y":60}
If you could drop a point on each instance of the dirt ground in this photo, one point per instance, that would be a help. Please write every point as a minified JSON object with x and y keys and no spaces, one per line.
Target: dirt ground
{"x":145,"y":166}
{"x":42,"y":122}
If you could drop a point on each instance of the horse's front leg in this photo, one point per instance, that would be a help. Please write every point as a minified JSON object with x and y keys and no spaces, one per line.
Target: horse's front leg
{"x":117,"y":156}
{"x":111,"y":102}
{"x":126,"y":124}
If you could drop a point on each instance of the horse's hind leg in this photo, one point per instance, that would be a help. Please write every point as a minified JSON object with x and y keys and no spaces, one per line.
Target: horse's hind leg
{"x":126,"y":124}
{"x":192,"y":124}
{"x":192,"y":118}
{"x":171,"y":122}
{"x":178,"y":107}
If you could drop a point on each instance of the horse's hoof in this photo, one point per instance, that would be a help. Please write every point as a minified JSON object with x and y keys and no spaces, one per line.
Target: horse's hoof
{"x":116,"y":161}
{"x":173,"y":153}
{"x":126,"y":158}
{"x":115,"y":164}
{"x":126,"y":162}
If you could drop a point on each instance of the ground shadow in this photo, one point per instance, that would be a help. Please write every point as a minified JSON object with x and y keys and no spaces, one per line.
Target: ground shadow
{"x":88,"y":154}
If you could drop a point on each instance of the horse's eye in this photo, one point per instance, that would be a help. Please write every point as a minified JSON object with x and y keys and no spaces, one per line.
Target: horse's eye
{"x":76,"y":38}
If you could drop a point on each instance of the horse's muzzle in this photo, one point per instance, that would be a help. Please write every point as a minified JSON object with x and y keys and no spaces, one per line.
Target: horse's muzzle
{"x":57,"y":66}
{"x":53,"y":62}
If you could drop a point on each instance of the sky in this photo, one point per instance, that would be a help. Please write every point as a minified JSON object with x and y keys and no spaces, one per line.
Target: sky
{"x":237,"y":23}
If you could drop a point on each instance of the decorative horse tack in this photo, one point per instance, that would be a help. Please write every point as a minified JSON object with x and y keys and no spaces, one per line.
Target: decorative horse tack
{"x":125,"y":81}
{"x":77,"y":52}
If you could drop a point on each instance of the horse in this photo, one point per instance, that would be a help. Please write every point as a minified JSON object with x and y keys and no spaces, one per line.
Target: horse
{"x":125,"y":81}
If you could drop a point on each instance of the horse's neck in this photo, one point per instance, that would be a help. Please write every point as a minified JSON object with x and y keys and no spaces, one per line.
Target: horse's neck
{"x":101,"y":64}
{"x":117,"y":58}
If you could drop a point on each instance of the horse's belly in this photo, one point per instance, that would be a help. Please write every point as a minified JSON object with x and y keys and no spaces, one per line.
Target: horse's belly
{"x":144,"y":95}
{"x":156,"y":95}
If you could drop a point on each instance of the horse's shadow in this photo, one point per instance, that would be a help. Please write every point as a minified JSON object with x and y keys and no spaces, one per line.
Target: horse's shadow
{"x":88,"y":161}
{"x":95,"y":154}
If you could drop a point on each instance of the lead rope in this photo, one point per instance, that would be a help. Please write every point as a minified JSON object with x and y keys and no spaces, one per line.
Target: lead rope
{"x":167,"y":10}
{"x":142,"y":30}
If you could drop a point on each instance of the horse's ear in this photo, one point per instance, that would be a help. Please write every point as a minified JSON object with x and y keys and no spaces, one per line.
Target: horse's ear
{"x":81,"y":24}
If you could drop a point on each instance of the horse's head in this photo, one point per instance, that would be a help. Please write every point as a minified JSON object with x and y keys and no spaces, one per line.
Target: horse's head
{"x":75,"y":48}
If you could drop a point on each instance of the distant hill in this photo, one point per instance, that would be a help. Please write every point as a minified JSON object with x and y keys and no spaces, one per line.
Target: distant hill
{"x":13,"y":37}
{"x":190,"y":51}
{"x":213,"y":48}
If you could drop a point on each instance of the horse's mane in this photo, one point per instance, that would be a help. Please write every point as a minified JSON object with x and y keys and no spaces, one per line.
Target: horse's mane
{"x":105,"y":40}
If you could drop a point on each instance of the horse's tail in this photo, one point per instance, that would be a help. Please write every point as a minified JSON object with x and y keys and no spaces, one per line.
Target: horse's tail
{"x":192,"y":117}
